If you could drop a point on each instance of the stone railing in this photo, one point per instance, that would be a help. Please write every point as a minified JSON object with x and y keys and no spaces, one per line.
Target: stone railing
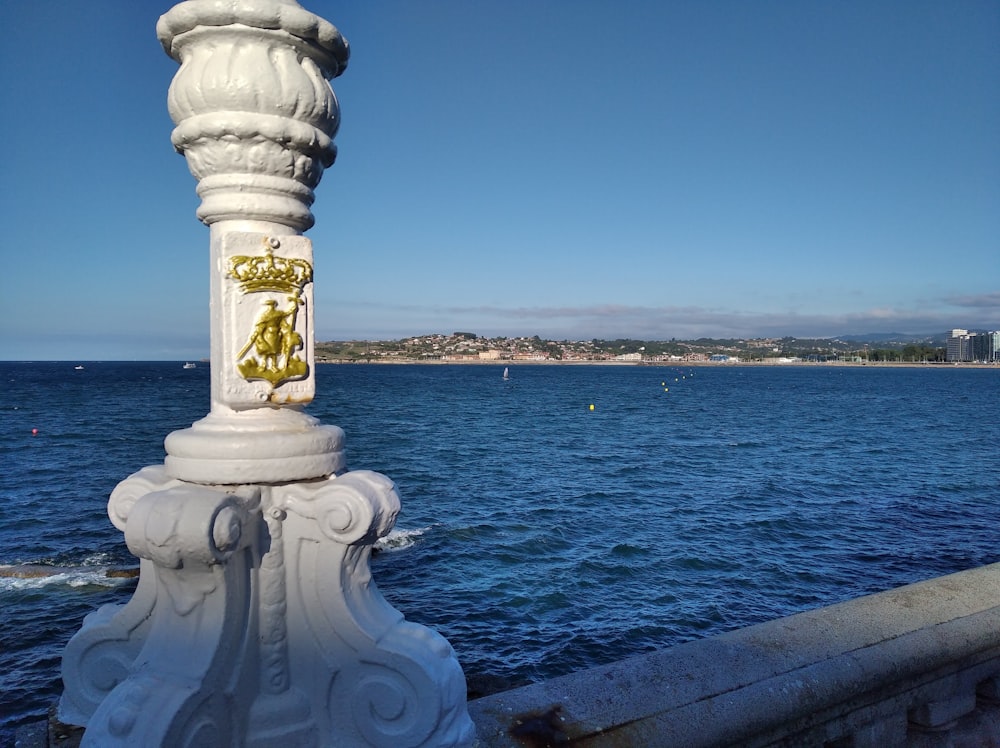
{"x":914,"y":666}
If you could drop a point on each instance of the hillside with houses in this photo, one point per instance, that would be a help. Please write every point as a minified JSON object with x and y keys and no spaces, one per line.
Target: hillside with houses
{"x":467,"y":347}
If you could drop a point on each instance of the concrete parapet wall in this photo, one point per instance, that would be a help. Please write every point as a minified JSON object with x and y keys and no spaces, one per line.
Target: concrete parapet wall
{"x":914,"y":666}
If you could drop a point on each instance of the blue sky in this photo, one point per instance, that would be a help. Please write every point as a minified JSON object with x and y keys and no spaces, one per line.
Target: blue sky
{"x":651,"y":169}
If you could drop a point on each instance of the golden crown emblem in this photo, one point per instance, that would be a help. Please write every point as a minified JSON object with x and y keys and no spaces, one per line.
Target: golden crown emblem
{"x":269,"y":273}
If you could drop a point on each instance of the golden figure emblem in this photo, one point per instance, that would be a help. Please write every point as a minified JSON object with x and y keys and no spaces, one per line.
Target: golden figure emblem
{"x":271,"y":347}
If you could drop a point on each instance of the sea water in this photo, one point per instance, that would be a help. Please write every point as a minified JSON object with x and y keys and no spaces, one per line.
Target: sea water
{"x":566,"y":517}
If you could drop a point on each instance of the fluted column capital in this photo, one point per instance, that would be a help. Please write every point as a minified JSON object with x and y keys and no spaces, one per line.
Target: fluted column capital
{"x":255,"y":115}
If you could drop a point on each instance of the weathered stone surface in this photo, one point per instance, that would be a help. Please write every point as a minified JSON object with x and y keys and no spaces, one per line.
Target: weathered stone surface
{"x":850,"y":672}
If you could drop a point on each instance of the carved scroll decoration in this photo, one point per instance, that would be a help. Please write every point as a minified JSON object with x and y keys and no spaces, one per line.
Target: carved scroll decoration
{"x":387,"y":681}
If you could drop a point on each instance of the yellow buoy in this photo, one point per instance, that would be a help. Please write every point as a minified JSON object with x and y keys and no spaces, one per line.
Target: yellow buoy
{"x":591,"y":406}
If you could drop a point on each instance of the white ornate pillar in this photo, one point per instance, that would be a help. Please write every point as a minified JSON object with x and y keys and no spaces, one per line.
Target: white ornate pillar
{"x":255,"y":620}
{"x":255,"y":119}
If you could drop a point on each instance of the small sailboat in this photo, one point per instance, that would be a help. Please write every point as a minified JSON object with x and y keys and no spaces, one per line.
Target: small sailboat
{"x":506,"y":374}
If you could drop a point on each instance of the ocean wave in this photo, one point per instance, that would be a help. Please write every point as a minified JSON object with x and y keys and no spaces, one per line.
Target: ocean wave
{"x":398,"y":540}
{"x":19,"y":577}
{"x":613,"y":531}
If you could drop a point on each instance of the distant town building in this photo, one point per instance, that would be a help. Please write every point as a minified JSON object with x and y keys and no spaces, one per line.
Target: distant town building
{"x":958,"y":346}
{"x":983,"y":347}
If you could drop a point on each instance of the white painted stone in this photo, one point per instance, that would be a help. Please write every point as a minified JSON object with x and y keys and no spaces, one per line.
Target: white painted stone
{"x":255,"y":621}
{"x":255,"y":119}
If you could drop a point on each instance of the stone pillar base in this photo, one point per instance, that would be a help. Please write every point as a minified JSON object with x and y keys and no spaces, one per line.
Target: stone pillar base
{"x":256,"y":622}
{"x":259,"y":446}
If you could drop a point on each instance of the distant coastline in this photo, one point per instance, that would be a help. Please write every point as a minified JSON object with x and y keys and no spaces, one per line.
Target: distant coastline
{"x":895,"y":349}
{"x":397,"y":361}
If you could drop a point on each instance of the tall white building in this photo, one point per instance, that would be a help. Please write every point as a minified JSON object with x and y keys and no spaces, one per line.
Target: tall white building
{"x":959,"y":348}
{"x":976,"y":346}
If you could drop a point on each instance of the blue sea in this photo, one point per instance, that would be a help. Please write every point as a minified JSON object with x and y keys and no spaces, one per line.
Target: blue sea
{"x":568,"y":517}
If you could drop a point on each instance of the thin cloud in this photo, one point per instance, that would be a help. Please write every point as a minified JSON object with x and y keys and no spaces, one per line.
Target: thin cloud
{"x":979,"y":301}
{"x":387,"y":321}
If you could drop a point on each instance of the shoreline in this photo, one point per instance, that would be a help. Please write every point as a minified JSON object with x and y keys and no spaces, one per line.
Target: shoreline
{"x":660,"y":364}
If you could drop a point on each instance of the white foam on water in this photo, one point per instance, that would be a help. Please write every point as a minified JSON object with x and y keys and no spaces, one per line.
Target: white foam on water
{"x":100,"y":558}
{"x":74,"y":577}
{"x":397,"y":540}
